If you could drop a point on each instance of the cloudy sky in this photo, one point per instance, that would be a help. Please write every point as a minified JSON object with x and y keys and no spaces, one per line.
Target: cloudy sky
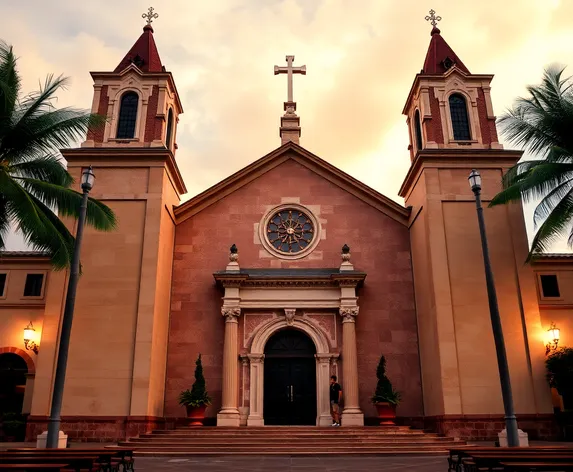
{"x":361,"y":58}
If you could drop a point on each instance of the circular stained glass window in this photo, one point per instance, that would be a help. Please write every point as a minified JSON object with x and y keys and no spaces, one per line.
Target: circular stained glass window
{"x":290,"y":231}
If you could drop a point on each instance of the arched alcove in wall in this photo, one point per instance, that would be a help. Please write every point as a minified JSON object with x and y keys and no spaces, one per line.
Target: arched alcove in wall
{"x":13,"y":372}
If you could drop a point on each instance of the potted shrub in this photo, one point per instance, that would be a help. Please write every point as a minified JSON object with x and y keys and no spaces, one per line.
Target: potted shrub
{"x":12,"y":426}
{"x":560,"y":376}
{"x":385,"y":398}
{"x":197,"y":399}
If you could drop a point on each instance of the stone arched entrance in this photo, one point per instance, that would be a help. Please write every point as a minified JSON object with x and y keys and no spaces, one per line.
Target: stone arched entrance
{"x":321,"y":371}
{"x":289,"y":391}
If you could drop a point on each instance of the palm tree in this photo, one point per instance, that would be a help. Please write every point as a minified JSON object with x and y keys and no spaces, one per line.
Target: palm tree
{"x":543,"y":125}
{"x":34,"y":184}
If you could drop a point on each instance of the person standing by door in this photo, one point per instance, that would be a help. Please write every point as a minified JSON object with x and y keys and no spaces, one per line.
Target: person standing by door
{"x":335,"y":400}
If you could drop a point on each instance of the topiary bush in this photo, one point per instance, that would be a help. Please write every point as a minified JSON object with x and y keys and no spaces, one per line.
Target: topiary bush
{"x":385,"y":392}
{"x":198,"y":395}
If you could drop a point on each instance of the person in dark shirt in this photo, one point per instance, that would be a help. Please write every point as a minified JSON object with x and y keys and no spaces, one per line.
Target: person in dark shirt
{"x":335,"y":399}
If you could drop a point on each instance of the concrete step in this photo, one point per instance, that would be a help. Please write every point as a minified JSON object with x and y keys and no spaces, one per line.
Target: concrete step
{"x":282,"y":429}
{"x":288,"y":450}
{"x":253,"y":437}
{"x":350,"y":452}
{"x":277,"y":441}
{"x":289,"y":441}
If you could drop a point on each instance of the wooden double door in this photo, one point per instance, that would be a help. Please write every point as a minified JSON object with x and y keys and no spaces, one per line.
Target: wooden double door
{"x":290,"y":380}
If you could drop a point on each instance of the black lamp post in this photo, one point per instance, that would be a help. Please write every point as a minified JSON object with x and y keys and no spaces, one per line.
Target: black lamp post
{"x":87,"y":183}
{"x":510,"y":419}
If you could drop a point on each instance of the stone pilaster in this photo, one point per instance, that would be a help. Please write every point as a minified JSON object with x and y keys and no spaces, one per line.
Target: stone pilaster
{"x":256,"y":390}
{"x":351,"y":414}
{"x":323,"y":390}
{"x":229,"y":413}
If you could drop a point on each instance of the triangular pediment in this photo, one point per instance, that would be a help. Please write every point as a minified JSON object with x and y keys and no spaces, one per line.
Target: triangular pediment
{"x":291,"y":151}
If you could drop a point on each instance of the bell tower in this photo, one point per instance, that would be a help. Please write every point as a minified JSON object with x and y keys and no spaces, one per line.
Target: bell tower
{"x":139,"y":100}
{"x":121,"y":318}
{"x":449,"y":107}
{"x":452,"y":131}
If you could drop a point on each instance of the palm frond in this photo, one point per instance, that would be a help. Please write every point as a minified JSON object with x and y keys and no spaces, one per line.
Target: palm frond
{"x":47,"y":133}
{"x":4,"y":221}
{"x":40,"y":102}
{"x":64,"y":241}
{"x":555,"y":226}
{"x":9,"y":85}
{"x":543,"y":120}
{"x":47,"y":168}
{"x":40,"y":227}
{"x":68,"y":201}
{"x":33,"y":181}
{"x":550,"y":201}
{"x":531,"y":180}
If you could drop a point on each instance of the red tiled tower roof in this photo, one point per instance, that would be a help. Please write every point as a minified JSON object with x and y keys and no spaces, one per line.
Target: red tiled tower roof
{"x":440,"y":56}
{"x":143,"y":54}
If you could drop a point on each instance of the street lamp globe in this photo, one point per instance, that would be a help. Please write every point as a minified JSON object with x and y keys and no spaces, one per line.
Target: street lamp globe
{"x":475,"y":180}
{"x":88,"y":179}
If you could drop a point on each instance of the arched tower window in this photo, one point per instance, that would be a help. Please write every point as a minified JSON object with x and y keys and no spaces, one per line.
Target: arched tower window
{"x":418,"y":130}
{"x":127,"y":116}
{"x":459,"y":115}
{"x":168,"y":136}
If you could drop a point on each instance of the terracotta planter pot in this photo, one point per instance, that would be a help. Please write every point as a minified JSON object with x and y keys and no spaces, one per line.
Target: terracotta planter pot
{"x":386,"y":413}
{"x":196,"y":414}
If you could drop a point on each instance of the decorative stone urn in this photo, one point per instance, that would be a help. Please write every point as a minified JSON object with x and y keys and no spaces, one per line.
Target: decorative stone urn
{"x":196,"y":415}
{"x":386,"y":413}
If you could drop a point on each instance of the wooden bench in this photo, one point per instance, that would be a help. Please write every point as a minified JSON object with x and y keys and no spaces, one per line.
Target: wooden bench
{"x":493,"y":461}
{"x":33,"y":467}
{"x":457,"y":455}
{"x":122,"y":457}
{"x":75,"y":462}
{"x":537,"y":466}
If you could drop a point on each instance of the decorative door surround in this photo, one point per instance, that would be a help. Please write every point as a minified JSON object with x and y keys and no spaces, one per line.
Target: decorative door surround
{"x":292,"y":292}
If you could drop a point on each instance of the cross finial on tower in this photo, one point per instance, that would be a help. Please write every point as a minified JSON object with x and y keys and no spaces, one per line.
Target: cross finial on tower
{"x":150,"y":15}
{"x":433,"y":19}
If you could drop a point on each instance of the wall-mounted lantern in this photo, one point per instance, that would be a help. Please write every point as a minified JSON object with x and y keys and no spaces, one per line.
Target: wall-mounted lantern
{"x":29,"y":335}
{"x":553,"y":336}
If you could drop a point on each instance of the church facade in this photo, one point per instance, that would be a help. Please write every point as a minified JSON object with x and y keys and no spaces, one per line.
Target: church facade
{"x":285,"y":273}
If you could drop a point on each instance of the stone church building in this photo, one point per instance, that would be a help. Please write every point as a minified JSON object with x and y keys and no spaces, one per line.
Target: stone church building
{"x":325,"y":275}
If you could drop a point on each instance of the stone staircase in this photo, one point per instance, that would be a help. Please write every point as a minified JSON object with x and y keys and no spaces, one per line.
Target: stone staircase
{"x":290,"y":440}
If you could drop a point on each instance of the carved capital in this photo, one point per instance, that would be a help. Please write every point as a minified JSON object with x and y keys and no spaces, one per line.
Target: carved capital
{"x":256,"y":358}
{"x":349,"y":314}
{"x":290,"y":314}
{"x":323,"y":358}
{"x":231,"y":313}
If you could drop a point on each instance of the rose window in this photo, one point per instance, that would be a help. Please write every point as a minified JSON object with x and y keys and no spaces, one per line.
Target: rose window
{"x":290,"y":231}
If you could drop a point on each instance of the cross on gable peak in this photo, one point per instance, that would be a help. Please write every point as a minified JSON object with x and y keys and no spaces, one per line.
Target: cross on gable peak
{"x":290,"y":70}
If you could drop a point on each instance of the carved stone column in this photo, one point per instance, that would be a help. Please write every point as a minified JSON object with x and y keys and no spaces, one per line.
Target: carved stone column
{"x":256,"y":390}
{"x":351,"y":415}
{"x":229,"y":413}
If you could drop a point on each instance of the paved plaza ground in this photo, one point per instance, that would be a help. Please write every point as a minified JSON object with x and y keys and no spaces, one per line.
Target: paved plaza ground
{"x":292,"y":464}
